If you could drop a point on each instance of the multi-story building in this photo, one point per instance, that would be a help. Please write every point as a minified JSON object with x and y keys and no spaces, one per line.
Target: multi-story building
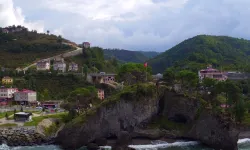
{"x":7,"y":80}
{"x":73,"y":67}
{"x":43,"y":65}
{"x":59,"y":65}
{"x":7,"y":93}
{"x":100,"y":94}
{"x":101,"y":77}
{"x":25,"y":97}
{"x":86,"y":44}
{"x":212,"y":73}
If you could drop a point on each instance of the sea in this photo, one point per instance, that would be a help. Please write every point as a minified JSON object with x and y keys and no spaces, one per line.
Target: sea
{"x":243,"y":144}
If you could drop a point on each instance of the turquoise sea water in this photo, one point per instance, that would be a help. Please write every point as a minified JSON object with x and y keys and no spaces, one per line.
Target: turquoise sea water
{"x":243,"y":144}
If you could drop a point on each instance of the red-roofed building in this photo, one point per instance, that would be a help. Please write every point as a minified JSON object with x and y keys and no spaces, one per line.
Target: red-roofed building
{"x":25,"y":97}
{"x":212,"y":73}
{"x":86,"y":44}
{"x":5,"y":31}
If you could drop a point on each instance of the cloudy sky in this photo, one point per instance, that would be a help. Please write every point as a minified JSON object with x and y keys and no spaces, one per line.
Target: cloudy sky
{"x":130,"y":24}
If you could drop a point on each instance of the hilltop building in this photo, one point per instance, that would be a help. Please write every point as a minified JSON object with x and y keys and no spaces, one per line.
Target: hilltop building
{"x":59,"y":65}
{"x":7,"y":80}
{"x":212,"y":73}
{"x":86,"y":45}
{"x":101,"y":77}
{"x":73,"y":67}
{"x":43,"y":65}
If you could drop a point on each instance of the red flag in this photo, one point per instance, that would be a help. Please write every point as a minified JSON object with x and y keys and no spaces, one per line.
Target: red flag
{"x":145,"y":64}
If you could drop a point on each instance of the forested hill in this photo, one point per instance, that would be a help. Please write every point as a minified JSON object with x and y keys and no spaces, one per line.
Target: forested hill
{"x":19,"y":47}
{"x":129,"y":56}
{"x":195,"y":53}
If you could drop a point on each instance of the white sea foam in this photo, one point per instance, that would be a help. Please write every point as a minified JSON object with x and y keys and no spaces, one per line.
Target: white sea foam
{"x":241,"y":141}
{"x":163,"y":145}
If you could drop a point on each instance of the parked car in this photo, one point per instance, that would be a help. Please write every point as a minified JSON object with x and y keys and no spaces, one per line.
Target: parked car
{"x":39,"y":107}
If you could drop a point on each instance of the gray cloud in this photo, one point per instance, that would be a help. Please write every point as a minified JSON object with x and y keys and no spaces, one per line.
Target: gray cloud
{"x":139,"y":24}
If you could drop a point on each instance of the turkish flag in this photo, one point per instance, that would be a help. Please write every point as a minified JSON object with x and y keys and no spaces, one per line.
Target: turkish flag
{"x":145,"y":64}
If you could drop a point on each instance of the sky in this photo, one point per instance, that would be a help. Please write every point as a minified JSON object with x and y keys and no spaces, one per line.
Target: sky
{"x":150,"y":25}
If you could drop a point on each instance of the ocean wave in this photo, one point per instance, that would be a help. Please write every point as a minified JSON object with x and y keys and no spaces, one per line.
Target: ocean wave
{"x":164,"y":145}
{"x":47,"y":147}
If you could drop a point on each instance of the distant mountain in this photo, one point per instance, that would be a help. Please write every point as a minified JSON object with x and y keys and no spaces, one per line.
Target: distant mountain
{"x":195,"y":53}
{"x":129,"y":56}
{"x":20,"y":47}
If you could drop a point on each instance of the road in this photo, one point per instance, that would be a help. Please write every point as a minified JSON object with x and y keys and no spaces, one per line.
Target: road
{"x":63,"y":55}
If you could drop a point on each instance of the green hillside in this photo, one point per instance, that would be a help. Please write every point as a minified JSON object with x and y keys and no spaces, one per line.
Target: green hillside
{"x":129,"y":56}
{"x":20,"y":48}
{"x":195,"y":53}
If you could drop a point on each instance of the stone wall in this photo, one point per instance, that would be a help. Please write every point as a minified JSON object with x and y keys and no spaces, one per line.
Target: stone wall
{"x":21,"y":136}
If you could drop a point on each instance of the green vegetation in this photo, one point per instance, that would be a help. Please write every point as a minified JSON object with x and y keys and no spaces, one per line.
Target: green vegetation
{"x":8,"y":125}
{"x":124,"y":56}
{"x":36,"y":120}
{"x":132,"y":73}
{"x":26,"y":47}
{"x":3,"y":114}
{"x":52,"y":129}
{"x":197,"y":52}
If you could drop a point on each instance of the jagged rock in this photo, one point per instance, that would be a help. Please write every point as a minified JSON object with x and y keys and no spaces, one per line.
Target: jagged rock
{"x":101,"y":141}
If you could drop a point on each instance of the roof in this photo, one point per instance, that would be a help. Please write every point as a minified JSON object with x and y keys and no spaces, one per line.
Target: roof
{"x":7,"y":77}
{"x":27,"y":91}
{"x":2,"y":87}
{"x":22,"y":113}
{"x":100,"y":75}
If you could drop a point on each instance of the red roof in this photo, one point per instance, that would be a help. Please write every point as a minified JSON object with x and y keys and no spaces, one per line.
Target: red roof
{"x":27,"y":91}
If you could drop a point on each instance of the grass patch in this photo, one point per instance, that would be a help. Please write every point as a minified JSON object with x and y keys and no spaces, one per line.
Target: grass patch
{"x":8,"y":125}
{"x":36,"y":120}
{"x":2,"y":114}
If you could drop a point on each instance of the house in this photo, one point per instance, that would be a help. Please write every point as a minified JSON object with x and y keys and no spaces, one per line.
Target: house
{"x":73,"y":67}
{"x":212,"y":73}
{"x":157,"y":76}
{"x":25,"y":97}
{"x":43,"y":65}
{"x":7,"y":93}
{"x":59,"y":65}
{"x":5,"y":31}
{"x":23,"y":116}
{"x":7,"y":80}
{"x":100,"y":94}
{"x":86,"y":44}
{"x":101,"y":77}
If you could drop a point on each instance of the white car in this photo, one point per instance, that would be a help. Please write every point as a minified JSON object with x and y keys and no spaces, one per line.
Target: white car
{"x":39,"y":107}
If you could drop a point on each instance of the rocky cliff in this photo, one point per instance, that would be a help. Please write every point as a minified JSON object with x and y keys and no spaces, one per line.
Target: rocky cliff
{"x":132,"y":109}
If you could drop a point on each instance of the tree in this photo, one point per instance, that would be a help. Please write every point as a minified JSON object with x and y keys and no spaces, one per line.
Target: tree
{"x":240,"y":109}
{"x":46,"y":94}
{"x":6,"y":116}
{"x":59,"y":40}
{"x":188,"y":78}
{"x":132,"y":73}
{"x":47,"y":31}
{"x":169,"y":75}
{"x":21,"y":110}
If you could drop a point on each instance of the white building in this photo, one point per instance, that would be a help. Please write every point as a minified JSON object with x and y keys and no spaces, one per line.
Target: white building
{"x":59,"y":65}
{"x":73,"y":67}
{"x":86,"y":44}
{"x":7,"y":92}
{"x":43,"y":65}
{"x":25,"y":97}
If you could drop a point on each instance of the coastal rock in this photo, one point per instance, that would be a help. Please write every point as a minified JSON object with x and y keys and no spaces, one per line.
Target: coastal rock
{"x":45,"y":123}
{"x":152,"y":134}
{"x":215,"y":131}
{"x":108,"y":121}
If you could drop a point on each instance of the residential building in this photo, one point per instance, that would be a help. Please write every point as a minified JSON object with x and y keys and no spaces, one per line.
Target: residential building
{"x":43,"y":65}
{"x":100,"y":94}
{"x":212,"y":73}
{"x":59,"y":65}
{"x":157,"y":76}
{"x":101,"y":77}
{"x":5,"y":31}
{"x":7,"y":92}
{"x":73,"y":67}
{"x":25,"y":97}
{"x":7,"y":80}
{"x":86,"y":44}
